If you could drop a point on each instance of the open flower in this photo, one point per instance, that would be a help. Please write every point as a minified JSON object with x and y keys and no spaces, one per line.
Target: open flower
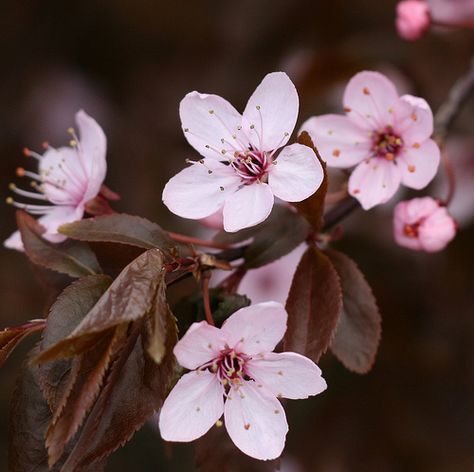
{"x":235,"y":373}
{"x":243,"y":165}
{"x":423,"y":224}
{"x":67,"y":179}
{"x":385,"y":136}
{"x":413,"y":19}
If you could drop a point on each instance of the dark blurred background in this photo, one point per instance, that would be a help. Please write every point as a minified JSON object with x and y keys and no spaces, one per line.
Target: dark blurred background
{"x":128,"y":64}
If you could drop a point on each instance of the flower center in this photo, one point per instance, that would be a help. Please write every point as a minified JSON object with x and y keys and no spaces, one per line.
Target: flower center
{"x":230,"y":367}
{"x":251,"y":166}
{"x":387,"y":144}
{"x":411,"y":231}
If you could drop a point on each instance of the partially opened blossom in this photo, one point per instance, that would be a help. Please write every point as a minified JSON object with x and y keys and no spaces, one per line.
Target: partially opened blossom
{"x":423,"y":224}
{"x":235,"y":373}
{"x":67,"y":179}
{"x":387,"y":138}
{"x":413,"y":19}
{"x":245,"y":161}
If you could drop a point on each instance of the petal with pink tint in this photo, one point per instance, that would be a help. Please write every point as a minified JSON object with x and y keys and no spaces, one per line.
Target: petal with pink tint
{"x":59,"y":215}
{"x":413,"y":119}
{"x":248,"y":206}
{"x":287,"y":375}
{"x":214,"y":221}
{"x":65,"y":180}
{"x":211,"y":124}
{"x":339,"y":140}
{"x":296,"y":174}
{"x":437,"y":231}
{"x":92,"y":148}
{"x":192,"y":407}
{"x":195,"y":193}
{"x":271,"y":112}
{"x":374,"y":181}
{"x":413,"y":18}
{"x":418,"y":165}
{"x":256,"y":328}
{"x":201,"y":343}
{"x":369,"y":98}
{"x":14,"y":242}
{"x":256,"y":422}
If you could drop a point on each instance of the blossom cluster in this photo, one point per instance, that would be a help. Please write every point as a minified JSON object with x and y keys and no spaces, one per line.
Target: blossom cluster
{"x":245,"y":163}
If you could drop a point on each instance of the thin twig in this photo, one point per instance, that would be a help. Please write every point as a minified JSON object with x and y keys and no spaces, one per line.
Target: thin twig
{"x":181,"y":238}
{"x":205,"y":295}
{"x":450,"y":109}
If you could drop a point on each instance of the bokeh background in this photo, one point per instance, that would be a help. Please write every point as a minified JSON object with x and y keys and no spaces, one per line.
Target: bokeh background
{"x":128,"y":64}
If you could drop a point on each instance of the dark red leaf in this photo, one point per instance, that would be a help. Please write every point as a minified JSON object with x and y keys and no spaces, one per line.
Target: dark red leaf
{"x":314,"y":305}
{"x":70,"y":257}
{"x":10,"y":337}
{"x":358,"y":333}
{"x":121,"y":228}
{"x":135,"y":389}
{"x":130,"y":297}
{"x":313,"y":207}
{"x":29,"y":417}
{"x":72,"y":305}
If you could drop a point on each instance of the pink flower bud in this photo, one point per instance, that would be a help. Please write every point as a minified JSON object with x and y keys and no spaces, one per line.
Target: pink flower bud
{"x":423,"y":224}
{"x":413,"y":19}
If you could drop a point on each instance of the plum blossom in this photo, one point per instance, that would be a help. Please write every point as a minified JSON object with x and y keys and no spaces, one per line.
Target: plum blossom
{"x":234,"y":372}
{"x":385,"y":136}
{"x":423,"y":224}
{"x":245,"y":161}
{"x":67,"y":179}
{"x":413,"y":19}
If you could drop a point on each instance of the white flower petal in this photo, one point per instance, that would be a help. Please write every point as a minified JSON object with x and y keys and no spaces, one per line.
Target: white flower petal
{"x":65,"y":181}
{"x":369,"y":99}
{"x":340,"y":141}
{"x":14,"y":242}
{"x":58,"y":216}
{"x":192,"y":407}
{"x":256,"y":328}
{"x":92,"y":153}
{"x":287,"y":374}
{"x":271,"y":112}
{"x":248,"y":206}
{"x":296,"y":174}
{"x":374,"y":181}
{"x":201,"y":343}
{"x":195,"y":193}
{"x":256,"y":422}
{"x":419,"y":164}
{"x":413,"y":119}
{"x":211,"y":124}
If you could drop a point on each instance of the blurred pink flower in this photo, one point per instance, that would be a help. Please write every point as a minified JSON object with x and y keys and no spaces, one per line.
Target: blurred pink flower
{"x":413,"y":19}
{"x":241,"y":171}
{"x":68,"y":178}
{"x":423,"y":224}
{"x":452,"y":12}
{"x":272,"y":281}
{"x":385,"y":136}
{"x":235,"y":373}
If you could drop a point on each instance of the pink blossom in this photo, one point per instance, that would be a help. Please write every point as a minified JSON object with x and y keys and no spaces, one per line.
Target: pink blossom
{"x":452,"y":12}
{"x":413,"y":19}
{"x":385,"y":136}
{"x":423,"y":224}
{"x":243,"y":166}
{"x":67,"y":178}
{"x":234,"y":372}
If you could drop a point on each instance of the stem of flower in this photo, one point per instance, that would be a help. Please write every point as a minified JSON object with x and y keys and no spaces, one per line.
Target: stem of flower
{"x":181,"y":238}
{"x":450,"y":109}
{"x":461,"y":25}
{"x":448,"y":169}
{"x":339,"y":212}
{"x":206,"y":276}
